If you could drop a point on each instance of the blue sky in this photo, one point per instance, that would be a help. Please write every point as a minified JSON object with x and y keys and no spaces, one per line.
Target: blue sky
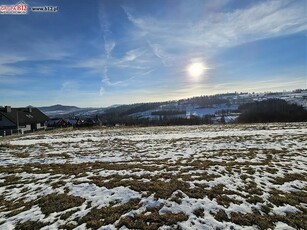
{"x":99,"y":53}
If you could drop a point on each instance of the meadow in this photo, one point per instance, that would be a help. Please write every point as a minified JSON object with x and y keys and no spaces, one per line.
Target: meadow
{"x":235,"y":176}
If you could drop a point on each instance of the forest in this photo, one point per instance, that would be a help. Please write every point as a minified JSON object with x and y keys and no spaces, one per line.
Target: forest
{"x":271,"y":110}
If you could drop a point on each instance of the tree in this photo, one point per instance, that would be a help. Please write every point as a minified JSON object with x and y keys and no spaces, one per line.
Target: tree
{"x":271,"y":110}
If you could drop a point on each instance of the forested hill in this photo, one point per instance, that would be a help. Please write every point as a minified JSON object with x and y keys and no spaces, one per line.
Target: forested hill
{"x":201,"y":101}
{"x":271,"y":110}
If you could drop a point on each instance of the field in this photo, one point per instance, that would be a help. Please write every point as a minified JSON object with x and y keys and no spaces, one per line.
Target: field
{"x":191,"y":177}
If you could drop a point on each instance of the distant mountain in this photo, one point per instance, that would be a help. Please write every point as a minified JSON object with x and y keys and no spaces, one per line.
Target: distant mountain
{"x":59,"y":110}
{"x":114,"y":106}
{"x":66,"y":111}
{"x":58,"y":107}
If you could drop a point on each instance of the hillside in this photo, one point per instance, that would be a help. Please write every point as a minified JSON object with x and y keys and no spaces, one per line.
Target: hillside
{"x":58,"y":107}
{"x":202,"y":107}
{"x":66,"y":111}
{"x":271,"y":110}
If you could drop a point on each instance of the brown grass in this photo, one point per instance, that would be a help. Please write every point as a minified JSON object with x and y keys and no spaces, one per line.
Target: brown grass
{"x":58,"y":202}
{"x":297,"y":220}
{"x":30,"y":225}
{"x":107,"y":215}
{"x":172,"y":181}
{"x":21,"y":155}
{"x":288,"y":177}
{"x":152,"y":220}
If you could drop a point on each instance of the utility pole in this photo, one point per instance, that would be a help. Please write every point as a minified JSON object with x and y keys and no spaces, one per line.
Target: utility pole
{"x":17,"y":123}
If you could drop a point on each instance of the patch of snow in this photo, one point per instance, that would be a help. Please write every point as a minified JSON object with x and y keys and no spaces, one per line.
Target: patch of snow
{"x":101,"y":196}
{"x":283,"y":210}
{"x":282,"y":226}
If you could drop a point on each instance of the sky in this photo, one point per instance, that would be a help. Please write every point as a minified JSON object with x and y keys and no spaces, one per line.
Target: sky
{"x":103,"y":52}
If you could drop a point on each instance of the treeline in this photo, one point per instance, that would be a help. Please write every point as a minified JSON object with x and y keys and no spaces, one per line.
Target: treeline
{"x":134,"y":121}
{"x":169,"y":112}
{"x":271,"y":110}
{"x":204,"y":101}
{"x":125,"y":110}
{"x":166,"y":110}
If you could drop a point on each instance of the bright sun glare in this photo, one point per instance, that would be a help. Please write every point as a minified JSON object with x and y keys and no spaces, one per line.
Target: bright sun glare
{"x":196,"y":69}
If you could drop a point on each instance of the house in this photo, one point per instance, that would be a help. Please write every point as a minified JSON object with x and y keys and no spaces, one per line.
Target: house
{"x":86,"y":122}
{"x":57,"y":123}
{"x":23,"y":119}
{"x":72,"y":122}
{"x":224,"y":119}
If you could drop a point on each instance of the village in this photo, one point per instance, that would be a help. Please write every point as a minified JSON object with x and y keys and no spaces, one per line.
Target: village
{"x":25,"y":120}
{"x":225,"y":110}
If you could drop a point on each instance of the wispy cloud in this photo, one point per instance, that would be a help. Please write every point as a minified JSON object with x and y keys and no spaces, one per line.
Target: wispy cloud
{"x":136,"y":62}
{"x":142,"y":50}
{"x":133,"y":63}
{"x":266,"y":19}
{"x":95,"y":64}
{"x":7,"y":65}
{"x":14,"y":62}
{"x":159,"y":52}
{"x":68,"y":87}
{"x":132,"y":55}
{"x":109,"y":44}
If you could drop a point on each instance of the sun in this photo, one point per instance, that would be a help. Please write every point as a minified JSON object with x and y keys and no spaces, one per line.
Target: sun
{"x":196,"y":69}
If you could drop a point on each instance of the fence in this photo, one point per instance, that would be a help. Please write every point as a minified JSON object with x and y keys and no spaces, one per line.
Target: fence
{"x":8,"y":132}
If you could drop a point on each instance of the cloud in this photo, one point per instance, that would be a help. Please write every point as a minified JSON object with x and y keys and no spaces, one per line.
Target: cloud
{"x":67,"y":89}
{"x":14,"y":62}
{"x":50,"y":49}
{"x":7,"y":70}
{"x":95,"y":64}
{"x":7,"y":63}
{"x":159,"y":53}
{"x":101,"y":91}
{"x":161,"y":47}
{"x":265,"y":19}
{"x":109,"y":46}
{"x":104,"y":23}
{"x":69,"y":86}
{"x":133,"y":63}
{"x":133,"y":54}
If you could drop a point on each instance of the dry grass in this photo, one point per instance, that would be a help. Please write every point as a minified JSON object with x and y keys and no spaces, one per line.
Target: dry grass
{"x":107,"y":215}
{"x":14,"y":207}
{"x":248,"y":170}
{"x":22,"y":155}
{"x":297,"y":221}
{"x":150,"y":220}
{"x":58,"y":202}
{"x":30,"y":225}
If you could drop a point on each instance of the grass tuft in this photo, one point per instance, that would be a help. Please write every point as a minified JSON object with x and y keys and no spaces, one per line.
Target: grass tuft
{"x":58,"y":202}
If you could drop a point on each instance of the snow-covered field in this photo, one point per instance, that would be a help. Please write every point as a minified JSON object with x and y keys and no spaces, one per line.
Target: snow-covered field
{"x":191,"y":177}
